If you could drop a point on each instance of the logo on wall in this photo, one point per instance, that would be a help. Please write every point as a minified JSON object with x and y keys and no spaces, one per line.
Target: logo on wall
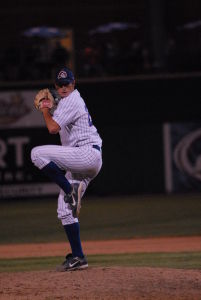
{"x":187,"y":154}
{"x":13,"y":109}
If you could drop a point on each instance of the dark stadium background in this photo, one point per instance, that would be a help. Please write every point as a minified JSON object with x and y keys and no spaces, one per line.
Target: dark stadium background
{"x":130,"y":100}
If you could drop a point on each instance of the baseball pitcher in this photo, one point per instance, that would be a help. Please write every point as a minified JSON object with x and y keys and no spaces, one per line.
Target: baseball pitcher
{"x":73,"y":164}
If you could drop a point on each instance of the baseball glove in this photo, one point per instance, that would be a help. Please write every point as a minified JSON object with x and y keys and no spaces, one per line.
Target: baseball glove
{"x":43,"y":99}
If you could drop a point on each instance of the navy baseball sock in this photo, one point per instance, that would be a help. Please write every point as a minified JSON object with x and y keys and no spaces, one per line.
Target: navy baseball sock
{"x":73,"y":234}
{"x":57,"y":176}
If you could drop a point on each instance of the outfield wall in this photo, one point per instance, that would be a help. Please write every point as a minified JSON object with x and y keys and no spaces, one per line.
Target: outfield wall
{"x":132,"y":117}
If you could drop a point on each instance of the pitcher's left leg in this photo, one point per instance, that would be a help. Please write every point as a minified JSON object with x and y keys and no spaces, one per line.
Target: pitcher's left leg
{"x":76,"y":259}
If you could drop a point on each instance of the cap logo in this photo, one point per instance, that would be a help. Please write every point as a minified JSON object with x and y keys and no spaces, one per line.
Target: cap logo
{"x":62,"y":75}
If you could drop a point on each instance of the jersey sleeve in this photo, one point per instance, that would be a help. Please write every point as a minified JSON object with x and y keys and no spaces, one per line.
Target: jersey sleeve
{"x":65,"y":113}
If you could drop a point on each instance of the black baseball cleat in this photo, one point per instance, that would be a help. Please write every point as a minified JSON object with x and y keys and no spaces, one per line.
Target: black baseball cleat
{"x":73,"y":263}
{"x":74,"y":198}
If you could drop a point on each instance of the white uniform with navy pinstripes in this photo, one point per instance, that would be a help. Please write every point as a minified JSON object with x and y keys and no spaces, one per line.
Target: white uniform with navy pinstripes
{"x":76,"y":155}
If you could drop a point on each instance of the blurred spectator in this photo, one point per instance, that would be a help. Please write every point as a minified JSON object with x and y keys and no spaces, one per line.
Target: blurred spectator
{"x":116,"y":53}
{"x":60,"y":55}
{"x":171,"y":54}
{"x":91,"y":60}
{"x":112,"y":56}
{"x":146,"y":60}
{"x":2,"y":64}
{"x":12,"y":59}
{"x":28,"y":67}
{"x":132,"y":58}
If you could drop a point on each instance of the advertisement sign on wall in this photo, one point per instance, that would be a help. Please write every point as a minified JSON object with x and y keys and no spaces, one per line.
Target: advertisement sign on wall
{"x":21,"y":129}
{"x":182,"y":152}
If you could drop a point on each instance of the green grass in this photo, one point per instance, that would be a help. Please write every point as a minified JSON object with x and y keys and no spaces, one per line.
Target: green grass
{"x":103,"y":218}
{"x":183,"y":260}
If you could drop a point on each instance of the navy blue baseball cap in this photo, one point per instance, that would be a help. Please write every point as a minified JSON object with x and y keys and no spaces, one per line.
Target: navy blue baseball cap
{"x":64,"y":76}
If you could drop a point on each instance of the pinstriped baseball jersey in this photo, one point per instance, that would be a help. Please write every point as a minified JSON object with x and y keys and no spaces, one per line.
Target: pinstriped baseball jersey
{"x":75,"y":121}
{"x":77,"y":156}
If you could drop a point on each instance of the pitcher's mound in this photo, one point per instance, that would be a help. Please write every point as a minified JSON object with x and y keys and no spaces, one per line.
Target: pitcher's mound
{"x":103,"y":283}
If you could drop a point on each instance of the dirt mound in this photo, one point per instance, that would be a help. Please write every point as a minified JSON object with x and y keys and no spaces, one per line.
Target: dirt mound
{"x":103,"y":283}
{"x":118,"y":283}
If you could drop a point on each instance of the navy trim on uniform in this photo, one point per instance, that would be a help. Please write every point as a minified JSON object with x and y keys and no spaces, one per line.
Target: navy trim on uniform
{"x":94,"y":146}
{"x":97,"y":147}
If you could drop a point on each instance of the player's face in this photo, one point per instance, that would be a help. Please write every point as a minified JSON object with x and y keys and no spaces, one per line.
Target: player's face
{"x":65,"y":90}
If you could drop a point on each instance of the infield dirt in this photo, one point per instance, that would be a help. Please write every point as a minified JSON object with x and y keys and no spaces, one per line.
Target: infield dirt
{"x":104,"y":282}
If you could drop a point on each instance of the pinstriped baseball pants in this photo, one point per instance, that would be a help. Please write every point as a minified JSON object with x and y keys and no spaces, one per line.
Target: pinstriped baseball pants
{"x":80,"y":163}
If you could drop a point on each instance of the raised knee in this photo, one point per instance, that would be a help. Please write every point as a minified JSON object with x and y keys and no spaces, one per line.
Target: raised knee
{"x":34,"y":154}
{"x":39,"y":157}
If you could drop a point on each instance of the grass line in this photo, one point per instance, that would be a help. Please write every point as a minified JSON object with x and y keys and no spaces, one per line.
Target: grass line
{"x":103,"y":218}
{"x":182,"y":260}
